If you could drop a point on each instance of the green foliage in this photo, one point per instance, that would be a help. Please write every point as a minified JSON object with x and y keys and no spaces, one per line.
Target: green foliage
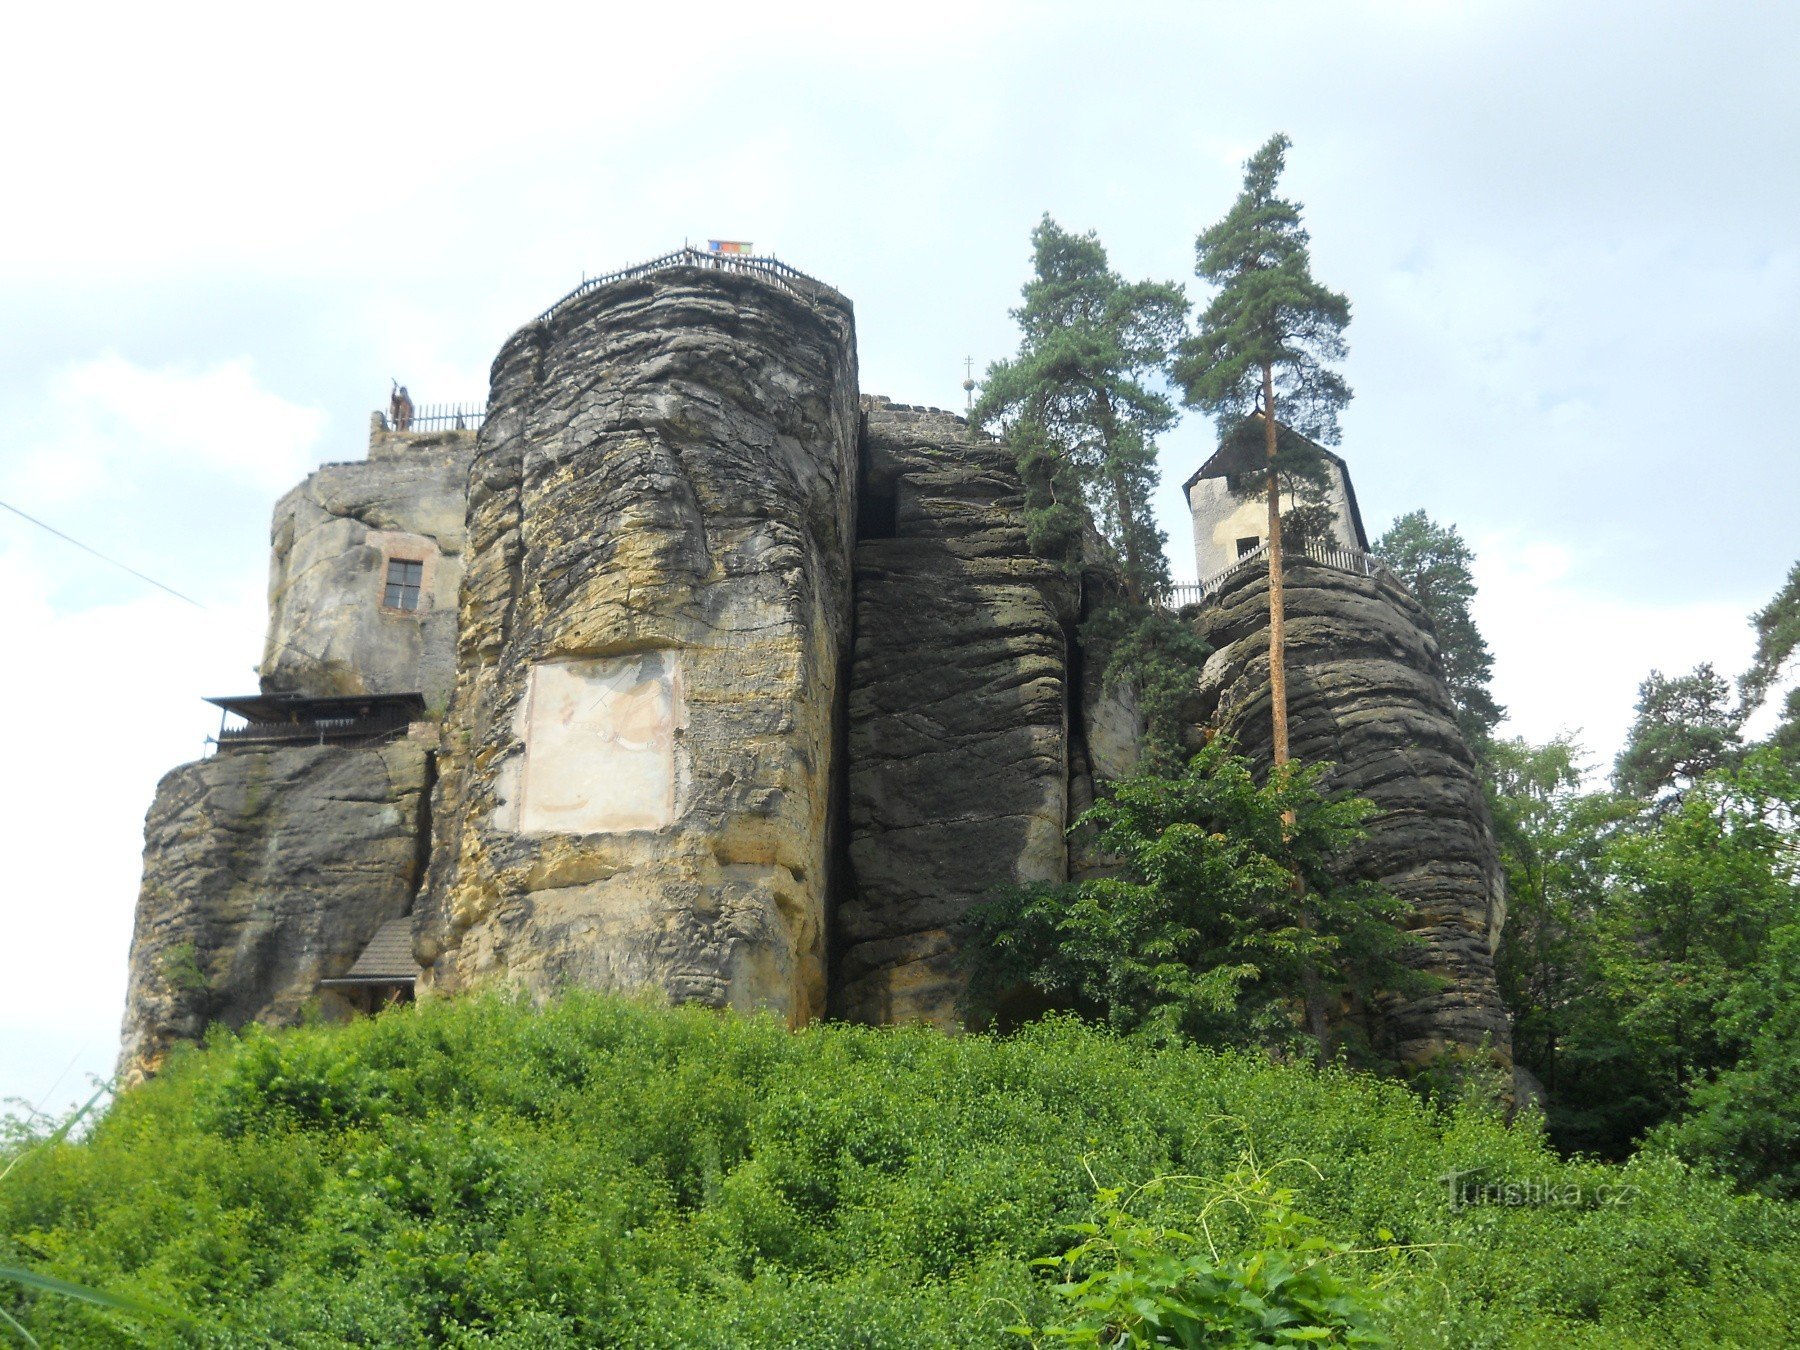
{"x":1270,"y":314}
{"x":485,"y":1173}
{"x":1745,"y":1119}
{"x":1078,"y":404}
{"x":1160,"y":655}
{"x":1080,"y":411}
{"x":1133,"y":1282}
{"x":1777,"y":627}
{"x":1642,"y":953}
{"x":1552,"y":839}
{"x":1202,"y":934}
{"x":1686,"y":727}
{"x":1438,"y":568}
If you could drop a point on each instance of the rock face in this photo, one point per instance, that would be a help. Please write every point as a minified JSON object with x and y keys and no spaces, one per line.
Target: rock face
{"x":959,"y":735}
{"x":333,"y":536}
{"x":265,"y":871}
{"x":1366,"y":692}
{"x":751,"y":693}
{"x":643,"y":739}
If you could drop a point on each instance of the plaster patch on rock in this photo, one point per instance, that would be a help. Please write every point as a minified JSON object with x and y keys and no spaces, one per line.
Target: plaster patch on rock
{"x":600,"y":744}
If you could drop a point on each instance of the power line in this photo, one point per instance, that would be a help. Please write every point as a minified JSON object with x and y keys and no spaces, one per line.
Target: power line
{"x":70,"y":539}
{"x":285,"y":646}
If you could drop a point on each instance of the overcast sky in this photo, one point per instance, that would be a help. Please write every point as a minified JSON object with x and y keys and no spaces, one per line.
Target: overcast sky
{"x":1568,"y":232}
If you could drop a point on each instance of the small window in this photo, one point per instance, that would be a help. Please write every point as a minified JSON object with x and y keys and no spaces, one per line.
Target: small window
{"x":403,"y":581}
{"x":1249,"y":544}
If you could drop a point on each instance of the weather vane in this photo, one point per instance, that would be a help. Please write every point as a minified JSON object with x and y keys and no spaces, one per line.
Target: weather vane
{"x":969,"y":383}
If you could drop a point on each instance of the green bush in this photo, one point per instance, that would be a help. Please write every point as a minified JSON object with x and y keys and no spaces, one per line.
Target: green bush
{"x":598,"y":1172}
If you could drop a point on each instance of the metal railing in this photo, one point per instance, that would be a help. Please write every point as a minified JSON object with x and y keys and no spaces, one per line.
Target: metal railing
{"x":1351,"y":560}
{"x":769,"y":269}
{"x":441,"y":417}
{"x":315,"y":732}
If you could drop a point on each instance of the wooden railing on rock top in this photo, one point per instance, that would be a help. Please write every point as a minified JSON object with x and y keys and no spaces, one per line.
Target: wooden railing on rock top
{"x":769,"y":269}
{"x":1351,"y":560}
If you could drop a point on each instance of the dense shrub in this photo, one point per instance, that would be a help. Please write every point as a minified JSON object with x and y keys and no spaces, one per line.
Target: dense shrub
{"x":477,"y":1173}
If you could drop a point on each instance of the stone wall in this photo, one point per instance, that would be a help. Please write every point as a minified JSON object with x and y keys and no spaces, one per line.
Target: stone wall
{"x":266,"y":870}
{"x":329,"y":630}
{"x":1366,"y":692}
{"x":641,"y":750}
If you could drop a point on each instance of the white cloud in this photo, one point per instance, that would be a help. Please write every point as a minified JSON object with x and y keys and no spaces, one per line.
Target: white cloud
{"x":109,"y":425}
{"x":1569,"y":656}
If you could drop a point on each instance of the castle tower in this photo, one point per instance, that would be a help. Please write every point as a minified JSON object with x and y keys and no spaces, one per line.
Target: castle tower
{"x":1227,"y":526}
{"x":636,"y":790}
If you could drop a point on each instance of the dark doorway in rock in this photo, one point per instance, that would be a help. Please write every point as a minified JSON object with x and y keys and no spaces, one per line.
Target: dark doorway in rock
{"x":878,"y":509}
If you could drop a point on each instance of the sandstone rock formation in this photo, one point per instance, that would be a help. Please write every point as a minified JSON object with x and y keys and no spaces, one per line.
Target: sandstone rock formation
{"x":333,"y":535}
{"x":267,"y":869}
{"x":643,"y":738}
{"x":1366,"y":692}
{"x":959,"y":712}
{"x":751,"y":695}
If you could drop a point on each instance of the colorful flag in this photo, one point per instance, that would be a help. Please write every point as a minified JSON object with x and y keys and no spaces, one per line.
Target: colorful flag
{"x":727,"y":246}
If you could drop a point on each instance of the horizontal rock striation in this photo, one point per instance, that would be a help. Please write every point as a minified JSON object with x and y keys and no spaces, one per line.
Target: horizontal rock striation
{"x":641,"y":746}
{"x":959,"y":712}
{"x":1366,"y":692}
{"x":265,"y":871}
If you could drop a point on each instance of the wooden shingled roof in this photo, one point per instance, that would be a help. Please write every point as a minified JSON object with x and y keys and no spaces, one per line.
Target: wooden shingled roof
{"x":388,"y":959}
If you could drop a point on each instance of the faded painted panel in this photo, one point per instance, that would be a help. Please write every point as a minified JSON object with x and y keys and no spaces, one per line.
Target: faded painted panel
{"x":600,"y":744}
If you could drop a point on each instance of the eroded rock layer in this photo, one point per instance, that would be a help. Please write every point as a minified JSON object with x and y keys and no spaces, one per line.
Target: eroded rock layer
{"x":641,"y":745}
{"x":266,"y":870}
{"x":958,"y":713}
{"x":1366,"y":692}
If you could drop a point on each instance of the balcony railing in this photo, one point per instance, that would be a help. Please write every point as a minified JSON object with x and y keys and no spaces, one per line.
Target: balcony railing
{"x":772,"y":270}
{"x":1351,"y":560}
{"x":316,"y":732}
{"x":440,"y":417}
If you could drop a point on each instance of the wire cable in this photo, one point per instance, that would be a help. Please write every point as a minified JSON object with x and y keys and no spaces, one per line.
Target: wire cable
{"x":70,"y":539}
{"x":114,"y":562}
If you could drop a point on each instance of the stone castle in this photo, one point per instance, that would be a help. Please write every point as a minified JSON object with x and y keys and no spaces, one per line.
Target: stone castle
{"x":695,"y":669}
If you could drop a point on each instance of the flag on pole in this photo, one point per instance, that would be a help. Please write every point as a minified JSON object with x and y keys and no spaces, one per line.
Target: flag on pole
{"x":727,"y":246}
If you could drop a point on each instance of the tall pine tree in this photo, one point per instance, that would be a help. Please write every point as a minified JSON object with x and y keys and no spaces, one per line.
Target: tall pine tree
{"x":1258,"y":363}
{"x":1079,"y":403}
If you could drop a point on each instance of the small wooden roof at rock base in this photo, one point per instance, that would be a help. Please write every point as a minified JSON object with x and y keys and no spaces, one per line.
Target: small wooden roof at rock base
{"x":307,"y":708}
{"x":388,"y":959}
{"x":1222,"y":464}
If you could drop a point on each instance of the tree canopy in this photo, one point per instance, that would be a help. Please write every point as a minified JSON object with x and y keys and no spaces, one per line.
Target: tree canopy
{"x":1081,"y":404}
{"x":1686,"y":726}
{"x":1268,"y":312}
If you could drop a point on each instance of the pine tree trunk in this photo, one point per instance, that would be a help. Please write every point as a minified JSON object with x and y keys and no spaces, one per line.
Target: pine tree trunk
{"x":1277,"y":601}
{"x":1312,"y":993}
{"x":1128,"y":529}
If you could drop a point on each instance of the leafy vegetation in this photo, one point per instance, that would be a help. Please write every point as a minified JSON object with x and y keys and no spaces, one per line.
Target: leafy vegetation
{"x":1684,"y":729}
{"x":482,"y":1173}
{"x":1223,"y":900}
{"x":1652,"y":950}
